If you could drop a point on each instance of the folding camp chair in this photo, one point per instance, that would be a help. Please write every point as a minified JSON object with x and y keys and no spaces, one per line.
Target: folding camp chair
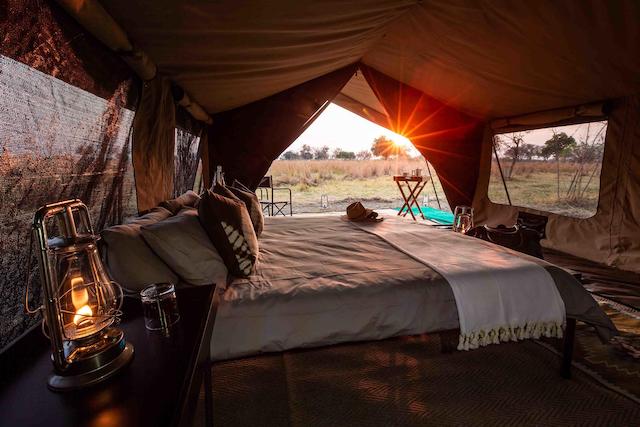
{"x":266,"y":192}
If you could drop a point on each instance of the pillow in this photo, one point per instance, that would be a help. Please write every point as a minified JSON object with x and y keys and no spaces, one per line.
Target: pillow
{"x":229,"y":227}
{"x":188,"y":199}
{"x":149,"y":217}
{"x":130,"y":261}
{"x":253,"y":205}
{"x":182,"y":243}
{"x":224,"y":191}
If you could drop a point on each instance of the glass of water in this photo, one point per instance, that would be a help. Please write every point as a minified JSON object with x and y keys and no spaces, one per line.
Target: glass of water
{"x":463,"y":219}
{"x":160,"y":306}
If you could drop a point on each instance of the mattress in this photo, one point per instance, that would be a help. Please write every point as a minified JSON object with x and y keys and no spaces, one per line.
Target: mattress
{"x":321,"y":280}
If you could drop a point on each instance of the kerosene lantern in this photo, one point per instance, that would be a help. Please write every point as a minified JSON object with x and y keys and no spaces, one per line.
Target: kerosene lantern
{"x":81,"y":303}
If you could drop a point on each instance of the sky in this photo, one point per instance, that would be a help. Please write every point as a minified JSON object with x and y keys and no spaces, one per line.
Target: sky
{"x":340,"y":128}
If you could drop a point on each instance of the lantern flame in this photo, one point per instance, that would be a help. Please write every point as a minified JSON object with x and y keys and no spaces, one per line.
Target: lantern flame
{"x":80,"y":298}
{"x":82,"y":313}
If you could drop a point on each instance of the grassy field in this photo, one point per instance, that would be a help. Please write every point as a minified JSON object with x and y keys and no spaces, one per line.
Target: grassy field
{"x":533,"y":184}
{"x":345,"y":181}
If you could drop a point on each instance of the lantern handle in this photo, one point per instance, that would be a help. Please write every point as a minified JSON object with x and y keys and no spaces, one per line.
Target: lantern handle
{"x":27,"y":308}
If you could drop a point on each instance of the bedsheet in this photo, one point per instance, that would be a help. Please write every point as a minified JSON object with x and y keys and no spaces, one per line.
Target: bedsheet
{"x":321,"y":280}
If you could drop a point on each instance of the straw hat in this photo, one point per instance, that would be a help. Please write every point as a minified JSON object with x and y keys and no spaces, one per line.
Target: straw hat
{"x":357,"y":212}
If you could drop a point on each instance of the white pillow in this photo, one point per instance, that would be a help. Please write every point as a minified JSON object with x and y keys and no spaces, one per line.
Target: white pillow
{"x":130,"y":261}
{"x":183,"y":244}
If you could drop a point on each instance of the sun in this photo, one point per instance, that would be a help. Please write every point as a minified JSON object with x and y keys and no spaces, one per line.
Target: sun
{"x":400,"y":141}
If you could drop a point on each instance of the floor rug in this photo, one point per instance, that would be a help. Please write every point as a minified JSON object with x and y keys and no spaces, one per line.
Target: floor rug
{"x":617,"y":363}
{"x":409,"y":381}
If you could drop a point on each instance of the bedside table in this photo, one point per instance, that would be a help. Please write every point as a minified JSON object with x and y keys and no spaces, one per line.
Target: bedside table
{"x":160,"y":386}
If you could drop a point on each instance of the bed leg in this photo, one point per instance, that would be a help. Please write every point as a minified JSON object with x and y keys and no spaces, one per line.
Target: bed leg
{"x":567,"y":354}
{"x":449,"y":340}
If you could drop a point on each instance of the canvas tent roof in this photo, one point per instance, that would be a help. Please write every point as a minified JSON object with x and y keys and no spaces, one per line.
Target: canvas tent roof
{"x":487,"y":58}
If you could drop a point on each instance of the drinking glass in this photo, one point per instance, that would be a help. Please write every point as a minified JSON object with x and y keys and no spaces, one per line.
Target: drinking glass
{"x":463,"y":219}
{"x":160,"y":306}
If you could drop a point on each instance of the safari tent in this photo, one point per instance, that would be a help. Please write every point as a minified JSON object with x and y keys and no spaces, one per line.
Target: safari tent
{"x":127,"y":105}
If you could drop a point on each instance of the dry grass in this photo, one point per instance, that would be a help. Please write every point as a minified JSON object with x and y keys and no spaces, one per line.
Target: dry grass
{"x":312,"y":173}
{"x":533,"y":184}
{"x":344,"y":181}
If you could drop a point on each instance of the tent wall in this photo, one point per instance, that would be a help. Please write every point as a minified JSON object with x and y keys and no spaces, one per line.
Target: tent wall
{"x":246,"y":140}
{"x":612,"y":235}
{"x":64,"y":133}
{"x":448,"y":139}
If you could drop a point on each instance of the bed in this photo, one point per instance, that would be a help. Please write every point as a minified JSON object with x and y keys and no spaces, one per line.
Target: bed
{"x":322,"y":280}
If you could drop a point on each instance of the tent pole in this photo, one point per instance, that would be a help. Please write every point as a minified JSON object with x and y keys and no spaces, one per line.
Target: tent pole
{"x":506,"y":190}
{"x":433,"y":184}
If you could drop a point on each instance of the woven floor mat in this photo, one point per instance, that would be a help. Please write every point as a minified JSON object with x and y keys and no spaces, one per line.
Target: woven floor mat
{"x":409,"y":382}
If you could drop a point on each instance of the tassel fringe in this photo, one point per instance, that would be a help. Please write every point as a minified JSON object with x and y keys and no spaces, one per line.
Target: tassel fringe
{"x":500,"y":334}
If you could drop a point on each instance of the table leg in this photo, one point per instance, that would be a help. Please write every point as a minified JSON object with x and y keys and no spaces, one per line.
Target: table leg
{"x":414,"y":196}
{"x":411,"y":199}
{"x":208,"y":395}
{"x":406,"y":201}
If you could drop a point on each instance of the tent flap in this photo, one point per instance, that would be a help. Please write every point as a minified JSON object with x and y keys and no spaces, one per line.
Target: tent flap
{"x":154,"y":143}
{"x":448,"y":139}
{"x":246,"y":140}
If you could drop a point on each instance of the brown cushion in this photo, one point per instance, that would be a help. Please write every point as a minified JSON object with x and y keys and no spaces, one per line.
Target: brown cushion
{"x":181,"y":242}
{"x":229,"y":227}
{"x":188,"y":199}
{"x":130,"y":261}
{"x":253,"y":205}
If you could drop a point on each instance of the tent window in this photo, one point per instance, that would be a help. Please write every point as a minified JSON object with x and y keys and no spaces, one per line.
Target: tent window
{"x":56,"y":142}
{"x":554,"y":169}
{"x":186,"y":161}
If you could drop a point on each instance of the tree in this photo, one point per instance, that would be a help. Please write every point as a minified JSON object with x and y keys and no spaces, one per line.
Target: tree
{"x":587,"y":154}
{"x":558,"y":146}
{"x":513,"y":143}
{"x":321,"y":153}
{"x":306,"y":153}
{"x":529,"y":151}
{"x":401,"y":152}
{"x":363,"y":155}
{"x":290,"y":155}
{"x":382,"y":147}
{"x":345,"y":155}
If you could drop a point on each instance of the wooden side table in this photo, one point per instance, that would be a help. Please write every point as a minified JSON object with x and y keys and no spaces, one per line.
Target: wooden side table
{"x":414,"y":186}
{"x":160,"y":387}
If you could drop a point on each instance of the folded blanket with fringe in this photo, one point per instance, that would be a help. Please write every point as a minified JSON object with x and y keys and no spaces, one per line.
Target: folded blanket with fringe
{"x":500,"y":296}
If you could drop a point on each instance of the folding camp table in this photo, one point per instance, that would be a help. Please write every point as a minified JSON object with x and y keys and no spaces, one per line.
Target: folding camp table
{"x":414,"y":185}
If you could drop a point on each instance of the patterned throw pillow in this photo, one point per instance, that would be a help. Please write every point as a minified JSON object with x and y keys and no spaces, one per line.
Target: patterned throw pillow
{"x":229,"y":227}
{"x":253,"y":205}
{"x":224,"y":191}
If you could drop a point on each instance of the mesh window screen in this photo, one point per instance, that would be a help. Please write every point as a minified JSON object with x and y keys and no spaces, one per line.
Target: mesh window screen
{"x":64,"y":133}
{"x":57,"y":142}
{"x":186,"y":161}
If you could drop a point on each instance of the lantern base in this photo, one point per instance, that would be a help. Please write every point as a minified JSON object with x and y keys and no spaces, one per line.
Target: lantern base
{"x":96,"y":367}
